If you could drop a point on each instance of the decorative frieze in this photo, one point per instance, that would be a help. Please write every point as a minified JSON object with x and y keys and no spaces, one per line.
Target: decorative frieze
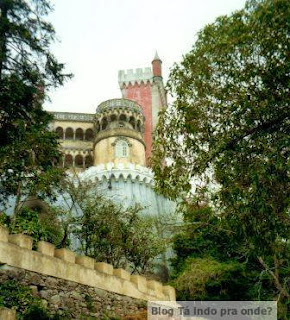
{"x":70,"y":116}
{"x":119,"y":103}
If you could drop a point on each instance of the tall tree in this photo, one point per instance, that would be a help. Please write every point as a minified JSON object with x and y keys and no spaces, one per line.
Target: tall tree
{"x":28,"y":152}
{"x":105,"y":230}
{"x":229,"y":126}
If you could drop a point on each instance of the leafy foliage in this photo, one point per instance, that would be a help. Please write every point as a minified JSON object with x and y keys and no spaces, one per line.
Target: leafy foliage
{"x":29,"y":152}
{"x":208,"y":279}
{"x":229,"y":128}
{"x":25,"y":39}
{"x":108,"y":232}
{"x":15,"y":295}
{"x":44,"y":227}
{"x":211,"y":263}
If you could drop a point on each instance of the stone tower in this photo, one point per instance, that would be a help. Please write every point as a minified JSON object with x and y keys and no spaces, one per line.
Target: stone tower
{"x":119,"y":125}
{"x":147,"y":89}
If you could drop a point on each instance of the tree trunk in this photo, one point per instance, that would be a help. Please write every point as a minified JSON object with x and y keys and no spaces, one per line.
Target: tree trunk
{"x":3,"y":31}
{"x":276,"y":280}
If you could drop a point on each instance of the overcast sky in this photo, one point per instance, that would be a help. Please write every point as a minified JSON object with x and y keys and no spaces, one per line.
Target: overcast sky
{"x":97,"y":38}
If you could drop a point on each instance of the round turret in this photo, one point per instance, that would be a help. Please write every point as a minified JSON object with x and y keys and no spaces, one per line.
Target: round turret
{"x":119,"y":125}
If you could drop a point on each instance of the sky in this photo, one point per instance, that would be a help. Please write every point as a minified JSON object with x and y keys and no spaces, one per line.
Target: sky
{"x":97,"y":38}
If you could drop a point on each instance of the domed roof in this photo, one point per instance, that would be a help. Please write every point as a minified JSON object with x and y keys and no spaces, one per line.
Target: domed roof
{"x":113,"y":104}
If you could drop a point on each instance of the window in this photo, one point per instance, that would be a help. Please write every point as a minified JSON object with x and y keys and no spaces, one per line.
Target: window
{"x":89,"y":135}
{"x":79,"y":134}
{"x":59,"y":132}
{"x":68,"y":161}
{"x":122,"y":149}
{"x":69,"y":134}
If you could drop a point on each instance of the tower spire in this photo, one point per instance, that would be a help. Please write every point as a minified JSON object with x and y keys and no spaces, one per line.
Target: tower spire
{"x":156,"y":57}
{"x":156,"y":66}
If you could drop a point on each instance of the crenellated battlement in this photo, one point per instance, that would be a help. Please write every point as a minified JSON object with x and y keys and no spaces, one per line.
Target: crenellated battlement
{"x":16,"y":251}
{"x":137,"y":76}
{"x":126,"y":171}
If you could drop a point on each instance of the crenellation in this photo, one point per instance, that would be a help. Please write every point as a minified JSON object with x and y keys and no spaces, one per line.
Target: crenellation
{"x":104,"y":267}
{"x":64,"y":264}
{"x":140,"y":75}
{"x":7,"y":314}
{"x":121,"y":273}
{"x":169,"y":292}
{"x":21,"y":240}
{"x":65,"y":254}
{"x":156,"y":286}
{"x":85,"y":261}
{"x":46,"y":248}
{"x":4,"y":234}
{"x":140,"y":282}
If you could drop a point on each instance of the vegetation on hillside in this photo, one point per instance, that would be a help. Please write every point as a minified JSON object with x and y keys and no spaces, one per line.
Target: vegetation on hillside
{"x":29,"y":151}
{"x":106,"y":231}
{"x":228,"y":132}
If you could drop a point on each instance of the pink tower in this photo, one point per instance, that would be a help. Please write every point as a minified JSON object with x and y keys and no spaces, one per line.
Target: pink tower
{"x":147,"y":89}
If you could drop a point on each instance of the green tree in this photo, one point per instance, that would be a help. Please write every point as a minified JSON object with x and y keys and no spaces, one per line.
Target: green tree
{"x":106,"y":231}
{"x":210,"y":263}
{"x":40,"y":226}
{"x":229,"y":127}
{"x":29,"y":152}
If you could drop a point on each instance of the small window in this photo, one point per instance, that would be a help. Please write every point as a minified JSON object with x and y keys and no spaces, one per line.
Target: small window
{"x":68,"y":161}
{"x":69,"y":134}
{"x":79,"y":134}
{"x":89,"y":136}
{"x":121,"y":125}
{"x":122,"y":149}
{"x":59,"y":132}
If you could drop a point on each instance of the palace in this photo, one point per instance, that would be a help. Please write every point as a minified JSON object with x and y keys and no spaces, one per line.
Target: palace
{"x":112,"y":147}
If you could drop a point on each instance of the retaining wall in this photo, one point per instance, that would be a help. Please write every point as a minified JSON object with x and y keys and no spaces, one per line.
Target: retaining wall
{"x":16,"y":250}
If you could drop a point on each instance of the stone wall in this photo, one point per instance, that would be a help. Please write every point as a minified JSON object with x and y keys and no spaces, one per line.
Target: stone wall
{"x":70,"y":299}
{"x":16,"y":251}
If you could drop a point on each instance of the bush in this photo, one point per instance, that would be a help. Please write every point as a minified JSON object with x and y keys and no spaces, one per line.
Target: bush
{"x":28,"y":307}
{"x":44,"y":227}
{"x":15,"y":295}
{"x":208,"y":279}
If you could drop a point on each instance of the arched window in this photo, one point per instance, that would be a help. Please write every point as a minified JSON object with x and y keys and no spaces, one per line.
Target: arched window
{"x":88,"y":161}
{"x":113,"y":118}
{"x":89,"y":135}
{"x":68,"y":161}
{"x":122,"y":149}
{"x":79,"y":134}
{"x":104,"y":124}
{"x":132,"y":122}
{"x":139,"y":125}
{"x":69,"y":134}
{"x":79,"y":161}
{"x":59,"y":131}
{"x":122,"y":117}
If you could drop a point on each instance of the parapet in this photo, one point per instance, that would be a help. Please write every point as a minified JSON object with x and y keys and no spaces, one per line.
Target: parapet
{"x":115,"y":104}
{"x":128,"y":171}
{"x":131,"y":77}
{"x":73,"y":116}
{"x":16,"y":251}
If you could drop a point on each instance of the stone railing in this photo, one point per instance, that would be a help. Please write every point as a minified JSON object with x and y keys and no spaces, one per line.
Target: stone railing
{"x":16,"y":250}
{"x":119,"y":103}
{"x":73,"y":116}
